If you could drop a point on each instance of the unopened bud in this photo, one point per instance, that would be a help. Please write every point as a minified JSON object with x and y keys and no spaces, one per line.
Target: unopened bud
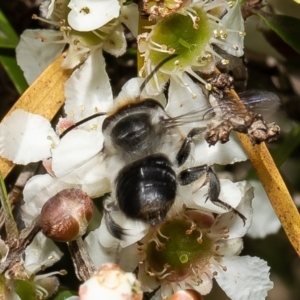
{"x":186,"y":295}
{"x":110,"y":282}
{"x":65,"y":216}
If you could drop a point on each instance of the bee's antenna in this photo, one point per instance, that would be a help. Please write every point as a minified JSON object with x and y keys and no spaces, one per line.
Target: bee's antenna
{"x":155,"y":70}
{"x":81,"y":122}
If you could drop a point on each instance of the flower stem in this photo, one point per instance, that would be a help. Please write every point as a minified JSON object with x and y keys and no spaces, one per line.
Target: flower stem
{"x":10,"y":224}
{"x":84,"y":267}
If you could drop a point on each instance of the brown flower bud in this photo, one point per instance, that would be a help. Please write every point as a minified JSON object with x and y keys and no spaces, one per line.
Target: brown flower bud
{"x":186,"y":295}
{"x":66,"y":215}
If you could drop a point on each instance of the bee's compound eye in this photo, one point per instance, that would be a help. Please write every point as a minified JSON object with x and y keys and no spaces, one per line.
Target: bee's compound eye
{"x":146,"y":188}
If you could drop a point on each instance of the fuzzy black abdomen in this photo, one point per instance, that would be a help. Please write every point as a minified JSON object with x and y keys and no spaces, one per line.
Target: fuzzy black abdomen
{"x":146,"y":188}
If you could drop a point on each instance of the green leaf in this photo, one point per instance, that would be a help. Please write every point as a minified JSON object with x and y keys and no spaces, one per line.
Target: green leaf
{"x":8,"y":37}
{"x":8,"y":43}
{"x":9,"y":63}
{"x":63,"y":295}
{"x":285,"y":26}
{"x":25,"y":289}
{"x":10,"y":225}
{"x":3,"y":288}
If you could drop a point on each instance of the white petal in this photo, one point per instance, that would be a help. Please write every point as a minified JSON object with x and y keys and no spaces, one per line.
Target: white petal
{"x":41,"y":252}
{"x":230,"y":193}
{"x":97,"y":252}
{"x":129,"y":17}
{"x":116,"y":43}
{"x":231,"y":220}
{"x":205,"y":286}
{"x":92,"y":175}
{"x":96,"y":188}
{"x":87,"y":15}
{"x":88,"y":90}
{"x":131,"y":90}
{"x":76,"y":54}
{"x":33,"y":55}
{"x":167,"y":290}
{"x":134,"y":230}
{"x":77,"y":158}
{"x":127,"y":258}
{"x":183,"y":197}
{"x":149,"y":283}
{"x":26,"y":137}
{"x":36,"y":192}
{"x":246,"y":278}
{"x":156,"y":86}
{"x":105,"y":238}
{"x":229,"y":247}
{"x":264,"y":220}
{"x":222,"y":154}
{"x":75,"y":149}
{"x":234,"y":20}
{"x":181,"y":101}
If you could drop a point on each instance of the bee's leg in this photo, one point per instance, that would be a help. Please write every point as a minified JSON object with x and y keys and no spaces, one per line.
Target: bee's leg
{"x":190,"y":175}
{"x":114,"y":229}
{"x":185,"y":148}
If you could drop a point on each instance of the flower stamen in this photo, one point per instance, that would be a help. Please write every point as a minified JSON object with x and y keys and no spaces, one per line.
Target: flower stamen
{"x":193,"y":15}
{"x":162,"y":235}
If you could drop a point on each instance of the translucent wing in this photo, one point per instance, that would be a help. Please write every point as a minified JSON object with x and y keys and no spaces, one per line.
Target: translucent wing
{"x":262,"y":102}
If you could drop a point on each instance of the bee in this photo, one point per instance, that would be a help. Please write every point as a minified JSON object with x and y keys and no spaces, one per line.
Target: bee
{"x":145,"y":150}
{"x":145,"y":153}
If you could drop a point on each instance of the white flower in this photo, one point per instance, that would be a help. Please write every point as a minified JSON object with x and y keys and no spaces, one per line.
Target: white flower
{"x":102,"y":247}
{"x":188,"y":252}
{"x":205,"y":23}
{"x":206,"y":248}
{"x":86,"y":28}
